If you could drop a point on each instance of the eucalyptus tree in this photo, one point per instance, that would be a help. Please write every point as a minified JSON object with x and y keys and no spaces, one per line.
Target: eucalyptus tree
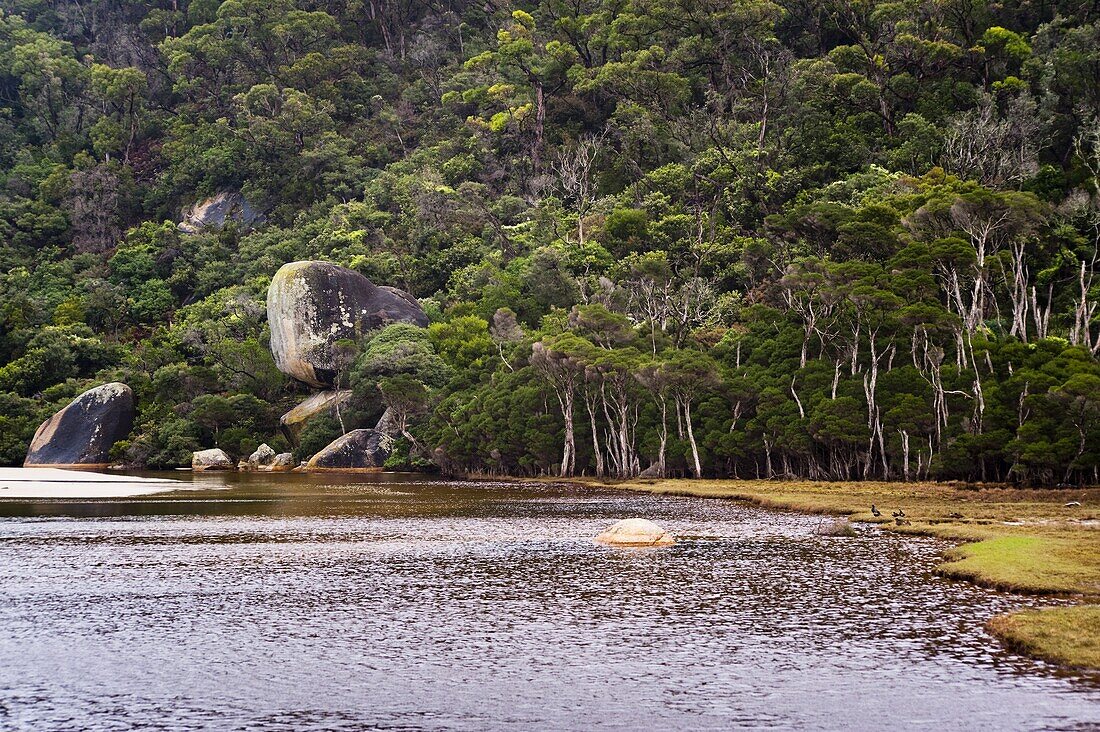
{"x":690,"y":374}
{"x":558,"y":360}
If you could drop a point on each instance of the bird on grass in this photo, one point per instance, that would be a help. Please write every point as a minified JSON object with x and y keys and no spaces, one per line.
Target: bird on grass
{"x":875,"y":512}
{"x":900,"y":513}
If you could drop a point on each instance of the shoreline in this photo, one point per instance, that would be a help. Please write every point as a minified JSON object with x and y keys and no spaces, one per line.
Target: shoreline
{"x":1024,"y":541}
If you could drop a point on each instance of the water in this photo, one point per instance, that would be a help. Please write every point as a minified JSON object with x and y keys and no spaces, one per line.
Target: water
{"x":318,"y":602}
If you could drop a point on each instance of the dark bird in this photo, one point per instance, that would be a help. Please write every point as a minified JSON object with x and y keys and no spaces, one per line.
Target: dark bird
{"x":955,"y":515}
{"x":898,"y":514}
{"x":874,"y":511}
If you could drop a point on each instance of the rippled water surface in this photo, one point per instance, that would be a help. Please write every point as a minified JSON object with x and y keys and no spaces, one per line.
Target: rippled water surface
{"x":306,"y":602}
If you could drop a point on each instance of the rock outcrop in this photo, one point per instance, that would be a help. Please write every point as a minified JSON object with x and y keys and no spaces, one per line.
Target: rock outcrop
{"x":357,"y":450}
{"x":311,"y":305}
{"x":635,"y":532}
{"x":262,"y":458}
{"x":214,"y":459}
{"x":291,"y":423}
{"x":84,"y":432}
{"x":283,"y":462}
{"x":218,"y":210}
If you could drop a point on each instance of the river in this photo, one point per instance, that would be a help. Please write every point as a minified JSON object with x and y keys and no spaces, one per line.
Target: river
{"x":318,"y":602}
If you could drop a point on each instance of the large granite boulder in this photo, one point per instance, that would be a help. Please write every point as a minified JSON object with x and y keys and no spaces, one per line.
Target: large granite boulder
{"x":635,"y":532}
{"x":357,"y":450}
{"x":291,"y":423}
{"x":311,"y":305}
{"x":84,"y":431}
{"x":218,"y":210}
{"x":214,"y":459}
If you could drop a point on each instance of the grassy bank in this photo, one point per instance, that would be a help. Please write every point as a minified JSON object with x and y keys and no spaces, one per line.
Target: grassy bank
{"x":1065,"y":635}
{"x":1010,"y":539}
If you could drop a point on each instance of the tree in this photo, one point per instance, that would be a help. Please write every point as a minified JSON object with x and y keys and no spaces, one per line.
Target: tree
{"x":405,"y":397}
{"x":659,"y":380}
{"x":574,"y":168}
{"x":690,"y":373}
{"x":557,"y":360}
{"x":398,"y":349}
{"x":524,"y":56}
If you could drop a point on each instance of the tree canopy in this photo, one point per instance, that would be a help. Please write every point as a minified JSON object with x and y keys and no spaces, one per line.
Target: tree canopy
{"x":760,"y":238}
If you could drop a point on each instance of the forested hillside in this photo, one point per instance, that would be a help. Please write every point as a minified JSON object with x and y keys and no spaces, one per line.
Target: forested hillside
{"x":819,"y":238}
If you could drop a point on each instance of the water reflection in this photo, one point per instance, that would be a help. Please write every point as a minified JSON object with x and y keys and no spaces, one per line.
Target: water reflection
{"x":311,"y":602}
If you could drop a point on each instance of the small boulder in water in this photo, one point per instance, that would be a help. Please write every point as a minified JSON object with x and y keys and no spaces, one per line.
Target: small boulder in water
{"x":835,"y":527}
{"x":635,"y":532}
{"x":214,"y":459}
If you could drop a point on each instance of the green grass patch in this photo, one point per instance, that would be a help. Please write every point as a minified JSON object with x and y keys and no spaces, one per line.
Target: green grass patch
{"x":1066,"y":635}
{"x":1027,"y":564}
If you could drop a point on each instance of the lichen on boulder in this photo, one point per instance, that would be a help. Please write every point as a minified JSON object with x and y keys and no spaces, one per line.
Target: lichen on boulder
{"x":83,"y":433}
{"x":311,"y":305}
{"x":262,"y":458}
{"x":283,"y":462}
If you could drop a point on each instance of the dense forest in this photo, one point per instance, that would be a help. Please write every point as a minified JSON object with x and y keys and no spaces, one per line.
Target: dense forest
{"x":819,"y":238}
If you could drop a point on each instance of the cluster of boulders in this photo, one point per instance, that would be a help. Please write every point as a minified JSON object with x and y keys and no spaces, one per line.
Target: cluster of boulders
{"x":264,"y":460}
{"x":310,"y":306}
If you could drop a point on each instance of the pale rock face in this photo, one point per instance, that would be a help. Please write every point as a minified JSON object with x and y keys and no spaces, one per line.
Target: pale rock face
{"x":214,"y":459}
{"x":291,"y":423}
{"x":311,"y":305}
{"x":635,"y":532}
{"x":214,"y":212}
{"x":357,"y":450}
{"x":84,"y":432}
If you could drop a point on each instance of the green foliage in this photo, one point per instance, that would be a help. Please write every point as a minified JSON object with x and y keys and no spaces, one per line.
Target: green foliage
{"x":316,"y":435}
{"x":732,"y":239}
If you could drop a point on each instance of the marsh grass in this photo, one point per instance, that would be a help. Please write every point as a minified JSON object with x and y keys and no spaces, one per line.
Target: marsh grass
{"x":1035,"y":564}
{"x":1066,"y":635}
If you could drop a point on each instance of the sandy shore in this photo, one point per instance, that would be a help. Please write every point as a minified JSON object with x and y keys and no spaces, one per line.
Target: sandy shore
{"x":59,"y":483}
